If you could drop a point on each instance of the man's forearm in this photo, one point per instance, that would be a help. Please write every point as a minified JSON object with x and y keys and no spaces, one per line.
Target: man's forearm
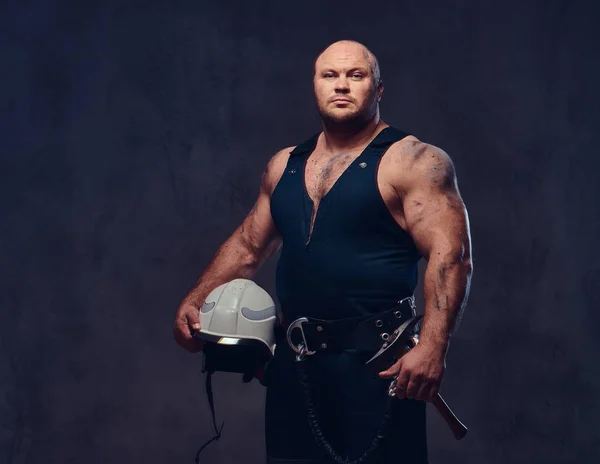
{"x":233,"y":260}
{"x":446,"y":287}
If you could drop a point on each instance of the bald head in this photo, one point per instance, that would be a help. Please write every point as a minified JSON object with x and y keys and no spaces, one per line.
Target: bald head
{"x":350,"y":47}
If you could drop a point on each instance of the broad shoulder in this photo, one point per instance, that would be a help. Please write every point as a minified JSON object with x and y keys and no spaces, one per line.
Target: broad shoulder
{"x":412,"y":162}
{"x":275,"y":167}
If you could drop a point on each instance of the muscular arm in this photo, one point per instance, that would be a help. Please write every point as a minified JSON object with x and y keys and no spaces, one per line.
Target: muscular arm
{"x":437,"y":220}
{"x":240,"y":256}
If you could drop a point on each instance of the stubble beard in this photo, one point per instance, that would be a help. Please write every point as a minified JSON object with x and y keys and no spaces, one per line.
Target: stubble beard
{"x":348,"y":122}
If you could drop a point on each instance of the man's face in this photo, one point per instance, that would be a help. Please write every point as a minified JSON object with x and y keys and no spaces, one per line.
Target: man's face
{"x":344,"y":85}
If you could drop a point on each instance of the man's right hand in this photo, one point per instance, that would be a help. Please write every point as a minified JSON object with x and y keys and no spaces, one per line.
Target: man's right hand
{"x":187,"y":322}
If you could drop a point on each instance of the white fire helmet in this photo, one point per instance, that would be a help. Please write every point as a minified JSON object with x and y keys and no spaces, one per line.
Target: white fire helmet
{"x":237,"y":321}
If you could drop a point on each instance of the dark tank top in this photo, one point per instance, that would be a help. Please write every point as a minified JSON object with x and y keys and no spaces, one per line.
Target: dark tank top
{"x":358,"y":260}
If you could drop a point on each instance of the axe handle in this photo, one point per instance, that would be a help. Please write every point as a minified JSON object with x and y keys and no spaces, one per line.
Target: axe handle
{"x":458,"y":428}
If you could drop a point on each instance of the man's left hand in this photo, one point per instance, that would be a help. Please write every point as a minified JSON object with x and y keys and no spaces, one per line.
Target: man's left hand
{"x":419,"y":372}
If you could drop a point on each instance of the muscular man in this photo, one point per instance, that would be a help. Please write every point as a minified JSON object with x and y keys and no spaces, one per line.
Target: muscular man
{"x":352,"y":209}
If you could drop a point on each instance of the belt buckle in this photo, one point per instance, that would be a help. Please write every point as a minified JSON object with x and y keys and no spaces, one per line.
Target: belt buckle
{"x":302,"y":348}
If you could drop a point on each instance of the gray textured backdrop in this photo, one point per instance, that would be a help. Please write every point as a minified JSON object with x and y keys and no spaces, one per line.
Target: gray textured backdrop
{"x":133,"y":136}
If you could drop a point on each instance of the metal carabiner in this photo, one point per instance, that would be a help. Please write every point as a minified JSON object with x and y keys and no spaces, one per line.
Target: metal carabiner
{"x":302,"y":348}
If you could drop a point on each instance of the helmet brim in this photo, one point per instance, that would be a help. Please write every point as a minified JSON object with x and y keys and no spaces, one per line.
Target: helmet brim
{"x":225,"y":339}
{"x":234,"y":354}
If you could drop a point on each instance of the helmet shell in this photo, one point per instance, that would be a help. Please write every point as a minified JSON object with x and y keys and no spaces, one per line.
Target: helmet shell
{"x":238,"y":312}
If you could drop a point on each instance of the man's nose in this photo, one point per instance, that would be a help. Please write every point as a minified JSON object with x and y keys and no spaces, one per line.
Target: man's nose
{"x":341,"y":85}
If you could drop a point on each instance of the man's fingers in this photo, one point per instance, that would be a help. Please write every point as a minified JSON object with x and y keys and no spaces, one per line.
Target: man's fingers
{"x":193,"y":319}
{"x":427,"y":391}
{"x":402,"y":384}
{"x":182,"y":328}
{"x":392,"y":371}
{"x":184,"y":339}
{"x":413,"y":387}
{"x":186,"y":323}
{"x":424,"y":392}
{"x":433,"y":391}
{"x":193,"y":322}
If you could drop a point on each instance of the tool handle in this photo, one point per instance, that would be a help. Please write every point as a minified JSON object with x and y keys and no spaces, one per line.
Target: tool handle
{"x":458,"y":428}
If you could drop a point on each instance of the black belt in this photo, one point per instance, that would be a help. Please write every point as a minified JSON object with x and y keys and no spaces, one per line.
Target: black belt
{"x":366,"y":333}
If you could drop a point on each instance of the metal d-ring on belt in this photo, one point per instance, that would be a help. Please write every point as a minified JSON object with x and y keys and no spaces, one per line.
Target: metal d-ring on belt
{"x":372,"y":333}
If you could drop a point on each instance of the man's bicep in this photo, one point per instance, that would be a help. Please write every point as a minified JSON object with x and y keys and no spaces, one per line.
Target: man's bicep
{"x":434,"y":211}
{"x":437,"y":222}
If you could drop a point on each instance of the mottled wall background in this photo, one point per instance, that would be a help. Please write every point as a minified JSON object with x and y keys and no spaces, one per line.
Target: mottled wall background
{"x":133,"y":137}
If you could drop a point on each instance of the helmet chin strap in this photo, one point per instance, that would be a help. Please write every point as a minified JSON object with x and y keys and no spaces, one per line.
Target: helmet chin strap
{"x":211,"y":402}
{"x":253,"y":368}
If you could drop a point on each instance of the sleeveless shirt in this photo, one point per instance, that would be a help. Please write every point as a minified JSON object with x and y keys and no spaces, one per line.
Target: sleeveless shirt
{"x":358,"y":260}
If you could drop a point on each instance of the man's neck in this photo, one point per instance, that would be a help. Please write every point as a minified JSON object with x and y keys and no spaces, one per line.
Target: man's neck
{"x":339,"y":140}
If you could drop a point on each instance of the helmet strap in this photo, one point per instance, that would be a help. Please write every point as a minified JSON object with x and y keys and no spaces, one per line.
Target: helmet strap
{"x":211,"y":402}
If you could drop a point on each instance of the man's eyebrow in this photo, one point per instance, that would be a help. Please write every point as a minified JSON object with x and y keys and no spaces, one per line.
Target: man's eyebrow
{"x":355,"y":68}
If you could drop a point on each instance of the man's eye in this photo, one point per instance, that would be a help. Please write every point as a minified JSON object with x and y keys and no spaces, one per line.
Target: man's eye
{"x":357,"y":76}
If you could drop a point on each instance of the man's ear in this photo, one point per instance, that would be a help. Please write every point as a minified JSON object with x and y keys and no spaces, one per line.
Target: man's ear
{"x":380,"y":89}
